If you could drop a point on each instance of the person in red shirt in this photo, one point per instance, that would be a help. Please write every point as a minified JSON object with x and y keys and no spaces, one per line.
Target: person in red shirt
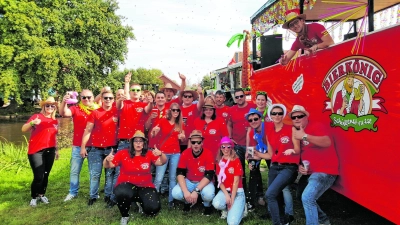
{"x":42,"y":148}
{"x":169,"y":130}
{"x":319,"y":161}
{"x":134,"y":183}
{"x":284,"y":152}
{"x":213,"y":128}
{"x":231,"y":198}
{"x":80,"y":114}
{"x":195,"y":173}
{"x":170,"y":92}
{"x":310,"y":37}
{"x":221,"y":109}
{"x":238,"y":125}
{"x":102,"y":129}
{"x":190,"y":111}
{"x":157,"y":113}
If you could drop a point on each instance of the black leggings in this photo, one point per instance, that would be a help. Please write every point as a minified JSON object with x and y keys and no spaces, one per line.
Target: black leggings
{"x":255,"y":183}
{"x":41,"y":163}
{"x":241,"y":152}
{"x":126,"y":193}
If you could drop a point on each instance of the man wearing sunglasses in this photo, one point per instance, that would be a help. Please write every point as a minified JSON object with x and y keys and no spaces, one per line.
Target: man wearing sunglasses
{"x":80,"y":114}
{"x":194,"y":175}
{"x":318,"y":149}
{"x":101,"y":129}
{"x":238,"y":125}
{"x":310,"y":37}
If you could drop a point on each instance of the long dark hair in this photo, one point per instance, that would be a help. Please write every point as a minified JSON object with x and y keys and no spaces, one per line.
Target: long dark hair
{"x":213,"y":117}
{"x":178,"y":120}
{"x":132,"y":149}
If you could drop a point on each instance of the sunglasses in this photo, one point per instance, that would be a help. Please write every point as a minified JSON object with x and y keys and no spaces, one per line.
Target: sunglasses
{"x":50,"y":106}
{"x":135,"y":90}
{"x":239,"y":96}
{"x":188,"y":96}
{"x":276,"y":113}
{"x":175,"y":110}
{"x":196,"y":142}
{"x":298,"y":117}
{"x":254,"y":119}
{"x":86,"y":97}
{"x":224,"y":147}
{"x":294,"y":23}
{"x":108,"y":98}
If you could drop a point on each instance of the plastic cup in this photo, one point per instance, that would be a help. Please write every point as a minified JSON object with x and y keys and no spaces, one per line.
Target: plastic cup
{"x":306,"y":164}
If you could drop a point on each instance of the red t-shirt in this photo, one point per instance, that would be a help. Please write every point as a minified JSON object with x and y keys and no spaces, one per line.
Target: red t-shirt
{"x":322,"y":160}
{"x":281,"y":141}
{"x":160,"y":115}
{"x":233,"y":169}
{"x":169,"y":141}
{"x":104,"y":133}
{"x":80,"y":119}
{"x":130,"y":119}
{"x":239,"y":122}
{"x":223,"y":113}
{"x":212,"y":133}
{"x":168,"y":104}
{"x":196,"y":166}
{"x":43,"y":135}
{"x":189,"y":115}
{"x":315,"y":33}
{"x":135,"y":170}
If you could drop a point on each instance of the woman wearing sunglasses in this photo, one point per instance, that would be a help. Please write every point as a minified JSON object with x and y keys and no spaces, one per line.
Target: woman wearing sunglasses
{"x":231,"y":198}
{"x":42,"y":148}
{"x":283,"y":150}
{"x":169,"y":131}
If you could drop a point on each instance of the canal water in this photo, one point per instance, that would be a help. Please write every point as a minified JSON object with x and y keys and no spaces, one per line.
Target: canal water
{"x":10,"y":130}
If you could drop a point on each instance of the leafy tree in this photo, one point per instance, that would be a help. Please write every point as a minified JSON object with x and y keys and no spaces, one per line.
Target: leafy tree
{"x":140,"y":76}
{"x":59,"y":45}
{"x":207,"y":83}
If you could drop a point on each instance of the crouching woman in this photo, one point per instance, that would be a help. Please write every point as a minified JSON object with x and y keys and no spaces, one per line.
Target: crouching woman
{"x":134,"y":183}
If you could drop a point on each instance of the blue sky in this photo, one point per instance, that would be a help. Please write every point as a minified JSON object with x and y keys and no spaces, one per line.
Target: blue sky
{"x":186,"y":36}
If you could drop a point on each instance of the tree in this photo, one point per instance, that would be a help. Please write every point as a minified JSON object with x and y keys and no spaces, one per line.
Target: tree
{"x":140,"y":76}
{"x":207,"y":83}
{"x":59,"y":45}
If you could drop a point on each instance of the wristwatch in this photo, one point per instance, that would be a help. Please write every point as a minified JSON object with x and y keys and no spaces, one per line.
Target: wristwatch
{"x":197,"y":190}
{"x":304,"y":137}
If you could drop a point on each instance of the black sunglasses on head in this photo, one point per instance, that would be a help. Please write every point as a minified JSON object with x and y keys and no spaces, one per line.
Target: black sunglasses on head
{"x":276,"y":113}
{"x":86,"y":97}
{"x":298,"y":117}
{"x":196,"y":142}
{"x":254,"y":119}
{"x":239,"y":96}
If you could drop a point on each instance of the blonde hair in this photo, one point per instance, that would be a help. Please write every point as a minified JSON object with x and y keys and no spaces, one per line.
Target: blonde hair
{"x":232,"y":155}
{"x":178,"y":121}
{"x":53,"y":114}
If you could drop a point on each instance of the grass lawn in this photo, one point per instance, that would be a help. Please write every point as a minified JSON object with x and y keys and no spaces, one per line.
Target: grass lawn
{"x":16,"y":177}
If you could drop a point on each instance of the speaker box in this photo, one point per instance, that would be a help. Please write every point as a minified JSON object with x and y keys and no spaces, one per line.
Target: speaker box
{"x":271,"y":49}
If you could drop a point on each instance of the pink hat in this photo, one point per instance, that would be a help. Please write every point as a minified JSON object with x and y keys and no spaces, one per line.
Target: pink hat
{"x":226,"y":140}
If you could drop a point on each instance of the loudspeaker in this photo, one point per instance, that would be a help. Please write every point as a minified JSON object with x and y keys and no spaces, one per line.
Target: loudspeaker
{"x":271,"y":49}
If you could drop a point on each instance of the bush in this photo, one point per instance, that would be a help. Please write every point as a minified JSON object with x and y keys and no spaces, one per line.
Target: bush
{"x":13,"y":157}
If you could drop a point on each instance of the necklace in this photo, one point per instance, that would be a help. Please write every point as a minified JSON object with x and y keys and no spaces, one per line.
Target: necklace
{"x":88,"y":109}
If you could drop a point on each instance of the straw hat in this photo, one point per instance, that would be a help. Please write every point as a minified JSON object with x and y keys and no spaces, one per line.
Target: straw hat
{"x":49,"y":101}
{"x":139,"y":134}
{"x":298,"y":108}
{"x":196,"y":134}
{"x":292,"y":15}
{"x":209,"y":103}
{"x":169,"y":86}
{"x":193,"y":92}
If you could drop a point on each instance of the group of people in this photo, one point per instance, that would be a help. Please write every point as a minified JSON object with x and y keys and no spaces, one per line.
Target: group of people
{"x":203,"y":144}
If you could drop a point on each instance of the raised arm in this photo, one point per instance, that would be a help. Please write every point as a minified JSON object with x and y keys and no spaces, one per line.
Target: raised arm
{"x":126,"y":85}
{"x":64,"y":110}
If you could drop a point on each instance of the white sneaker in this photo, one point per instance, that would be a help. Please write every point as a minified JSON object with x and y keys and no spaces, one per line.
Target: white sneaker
{"x":124,"y":220}
{"x":245,"y":211}
{"x":44,"y":199}
{"x":69,"y":197}
{"x":224,"y":214}
{"x":33,"y":202}
{"x":140,"y":207}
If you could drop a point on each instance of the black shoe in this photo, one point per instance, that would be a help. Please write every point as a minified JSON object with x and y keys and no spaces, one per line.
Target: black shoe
{"x":207,"y":211}
{"x":288,"y":218}
{"x":111,"y":204}
{"x":186,"y":207}
{"x":91,"y":201}
{"x":107,"y":199}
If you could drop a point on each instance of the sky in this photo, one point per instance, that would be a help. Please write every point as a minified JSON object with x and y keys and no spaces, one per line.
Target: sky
{"x":186,"y":36}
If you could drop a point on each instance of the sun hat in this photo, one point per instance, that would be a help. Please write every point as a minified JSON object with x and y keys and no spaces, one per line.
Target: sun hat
{"x":49,"y":101}
{"x":252,"y":111}
{"x":139,"y":134}
{"x":292,"y":15}
{"x":196,"y":134}
{"x":298,"y":108}
{"x":209,"y":103}
{"x":275,"y":106}
{"x":169,"y":86}
{"x":226,"y":140}
{"x":193,"y":92}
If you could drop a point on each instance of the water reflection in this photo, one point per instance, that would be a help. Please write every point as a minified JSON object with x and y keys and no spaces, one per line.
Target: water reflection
{"x":10,"y":130}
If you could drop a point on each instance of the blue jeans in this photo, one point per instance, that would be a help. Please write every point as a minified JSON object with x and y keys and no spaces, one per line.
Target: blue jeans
{"x":172,"y":161}
{"x":288,"y":199}
{"x":76,"y":167}
{"x":207,"y":193}
{"x":279,"y":176}
{"x":95,"y":159}
{"x":318,"y":183}
{"x":235,"y":214}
